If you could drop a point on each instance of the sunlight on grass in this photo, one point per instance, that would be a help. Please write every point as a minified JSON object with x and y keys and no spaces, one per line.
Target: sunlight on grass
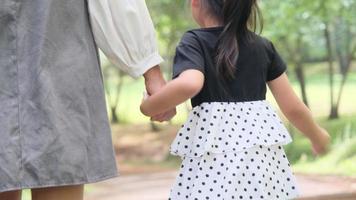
{"x":26,"y":195}
{"x":342,"y":156}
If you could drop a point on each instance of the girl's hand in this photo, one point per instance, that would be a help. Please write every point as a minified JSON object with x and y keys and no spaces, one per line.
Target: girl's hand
{"x":321,"y":142}
{"x":165,"y":116}
{"x":185,"y":86}
{"x":299,"y":114}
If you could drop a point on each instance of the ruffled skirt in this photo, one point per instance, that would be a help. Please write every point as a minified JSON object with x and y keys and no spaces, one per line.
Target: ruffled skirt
{"x":233,"y":151}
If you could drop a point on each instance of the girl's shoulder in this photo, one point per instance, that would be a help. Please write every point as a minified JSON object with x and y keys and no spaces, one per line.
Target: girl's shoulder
{"x":263,"y":43}
{"x":211,"y":36}
{"x":202,"y":35}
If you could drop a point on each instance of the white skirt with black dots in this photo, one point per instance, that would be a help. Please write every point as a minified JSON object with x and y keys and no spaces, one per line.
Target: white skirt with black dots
{"x":233,"y":151}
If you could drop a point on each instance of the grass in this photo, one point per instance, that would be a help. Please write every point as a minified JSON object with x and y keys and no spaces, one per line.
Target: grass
{"x":340,"y":161}
{"x":26,"y":195}
{"x":342,"y":156}
{"x":317,"y":91}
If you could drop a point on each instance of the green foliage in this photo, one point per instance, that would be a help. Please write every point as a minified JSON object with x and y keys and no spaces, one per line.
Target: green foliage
{"x":342,"y":156}
{"x":287,"y":20}
{"x":171,"y":19}
{"x":340,"y":161}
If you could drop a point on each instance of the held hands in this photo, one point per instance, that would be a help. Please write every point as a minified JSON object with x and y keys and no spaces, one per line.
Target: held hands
{"x":154,"y":82}
{"x":321,"y":141}
{"x":166,"y":116}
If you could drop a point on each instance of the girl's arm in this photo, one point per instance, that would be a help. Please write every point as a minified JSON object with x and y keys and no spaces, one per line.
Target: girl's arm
{"x":298,"y":113}
{"x":187,"y":85}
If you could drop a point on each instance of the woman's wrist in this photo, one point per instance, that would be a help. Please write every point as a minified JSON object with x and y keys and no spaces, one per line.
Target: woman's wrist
{"x":154,"y":80}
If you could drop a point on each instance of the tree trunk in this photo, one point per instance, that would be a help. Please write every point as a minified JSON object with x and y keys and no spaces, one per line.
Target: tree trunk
{"x":113,"y":100}
{"x":296,"y":55}
{"x":333,"y":112}
{"x":347,"y":61}
{"x":344,"y":52}
{"x":114,"y":115}
{"x":301,"y":79}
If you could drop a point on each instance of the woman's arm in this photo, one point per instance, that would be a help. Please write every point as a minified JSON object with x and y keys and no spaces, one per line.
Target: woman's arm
{"x":177,"y":91}
{"x":124,"y":31}
{"x":298,"y":113}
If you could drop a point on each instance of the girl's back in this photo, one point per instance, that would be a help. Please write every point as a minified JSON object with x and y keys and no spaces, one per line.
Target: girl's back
{"x":258,"y":63}
{"x":232,"y":115}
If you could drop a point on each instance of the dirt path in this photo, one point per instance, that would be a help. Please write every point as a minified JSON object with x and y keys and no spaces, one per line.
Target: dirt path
{"x":155,"y":186}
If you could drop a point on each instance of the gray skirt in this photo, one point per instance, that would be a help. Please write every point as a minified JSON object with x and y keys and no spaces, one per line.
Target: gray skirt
{"x":54,"y":127}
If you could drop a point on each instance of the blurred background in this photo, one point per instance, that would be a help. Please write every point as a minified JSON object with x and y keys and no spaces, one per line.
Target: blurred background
{"x":317,"y":38}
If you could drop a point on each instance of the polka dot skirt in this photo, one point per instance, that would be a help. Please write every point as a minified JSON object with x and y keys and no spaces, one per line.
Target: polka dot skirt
{"x":257,"y":173}
{"x":233,"y":151}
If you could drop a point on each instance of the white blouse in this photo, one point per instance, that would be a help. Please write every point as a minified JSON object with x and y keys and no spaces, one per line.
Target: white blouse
{"x":124,"y":31}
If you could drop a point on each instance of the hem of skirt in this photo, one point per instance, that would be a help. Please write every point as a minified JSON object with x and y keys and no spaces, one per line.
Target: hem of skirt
{"x":191,"y":155}
{"x":89,"y":181}
{"x":298,"y":195}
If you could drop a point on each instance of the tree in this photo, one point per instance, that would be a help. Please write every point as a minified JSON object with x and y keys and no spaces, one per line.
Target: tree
{"x":345,"y":46}
{"x":171,"y":21}
{"x":339,"y":33}
{"x":299,"y":25}
{"x":114,"y":80}
{"x":293,"y":40}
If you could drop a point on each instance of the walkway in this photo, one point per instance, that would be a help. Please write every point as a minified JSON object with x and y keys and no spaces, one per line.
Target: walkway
{"x":156,"y":186}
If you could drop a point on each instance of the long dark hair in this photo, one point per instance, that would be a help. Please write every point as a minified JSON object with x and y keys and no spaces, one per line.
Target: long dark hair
{"x":239,"y":18}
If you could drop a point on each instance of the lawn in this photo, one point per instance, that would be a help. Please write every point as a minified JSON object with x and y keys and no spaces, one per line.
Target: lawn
{"x":340,"y":160}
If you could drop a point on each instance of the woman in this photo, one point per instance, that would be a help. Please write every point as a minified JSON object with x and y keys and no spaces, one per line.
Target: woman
{"x":55,"y":135}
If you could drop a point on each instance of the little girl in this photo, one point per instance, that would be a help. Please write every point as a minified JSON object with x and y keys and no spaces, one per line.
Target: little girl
{"x":231,"y":144}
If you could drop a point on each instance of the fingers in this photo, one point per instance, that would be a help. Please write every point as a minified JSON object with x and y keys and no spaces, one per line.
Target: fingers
{"x":164,"y":116}
{"x":318,"y":151}
{"x":159,"y":118}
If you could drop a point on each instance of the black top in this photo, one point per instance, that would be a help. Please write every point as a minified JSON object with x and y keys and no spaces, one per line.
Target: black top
{"x":258,"y":63}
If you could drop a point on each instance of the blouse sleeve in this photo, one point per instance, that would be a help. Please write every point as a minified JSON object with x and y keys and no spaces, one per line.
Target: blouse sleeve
{"x":189,"y":55}
{"x":277,"y":66}
{"x":124,"y":31}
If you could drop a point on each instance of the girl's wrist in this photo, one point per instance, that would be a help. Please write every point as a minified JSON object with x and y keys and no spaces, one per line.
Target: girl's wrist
{"x":315,"y":136}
